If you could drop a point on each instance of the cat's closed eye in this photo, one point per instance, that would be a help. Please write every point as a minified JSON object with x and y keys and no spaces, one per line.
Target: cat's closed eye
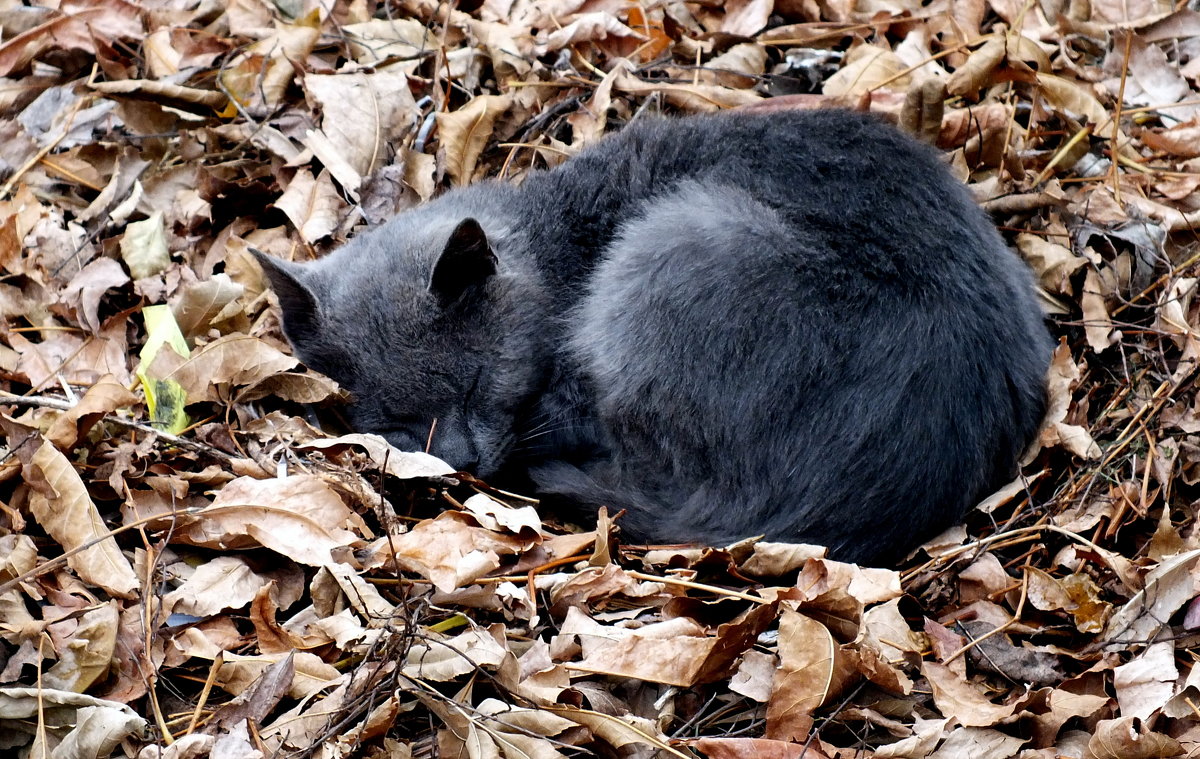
{"x":408,"y":434}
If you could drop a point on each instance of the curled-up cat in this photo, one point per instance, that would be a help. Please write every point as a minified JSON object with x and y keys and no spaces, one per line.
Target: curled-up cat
{"x":793,"y":324}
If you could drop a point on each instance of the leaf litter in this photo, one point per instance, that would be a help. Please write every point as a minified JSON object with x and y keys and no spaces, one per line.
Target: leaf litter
{"x":190,"y":568}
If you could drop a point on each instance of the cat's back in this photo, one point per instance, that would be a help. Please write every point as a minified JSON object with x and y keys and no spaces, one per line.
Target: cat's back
{"x":798,"y":314}
{"x":873,"y":199}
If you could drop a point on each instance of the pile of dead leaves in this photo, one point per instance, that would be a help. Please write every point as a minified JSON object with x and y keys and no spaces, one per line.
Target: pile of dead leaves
{"x":188,"y":568}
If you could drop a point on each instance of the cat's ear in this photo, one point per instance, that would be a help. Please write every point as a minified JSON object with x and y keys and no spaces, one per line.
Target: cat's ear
{"x":296,"y":299}
{"x":466,"y":262}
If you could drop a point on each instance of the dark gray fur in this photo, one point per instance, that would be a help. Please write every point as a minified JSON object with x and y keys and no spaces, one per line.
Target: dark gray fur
{"x":795,"y":324}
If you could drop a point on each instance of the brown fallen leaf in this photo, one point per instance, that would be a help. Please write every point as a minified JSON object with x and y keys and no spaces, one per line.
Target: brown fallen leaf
{"x":164,"y":92}
{"x":673,"y":651}
{"x":87,"y":656}
{"x":255,"y":703}
{"x":755,"y":748}
{"x":444,"y":659}
{"x":259,"y":77}
{"x":313,"y":205}
{"x":688,"y":97}
{"x":962,"y":700}
{"x":1181,"y":140}
{"x":745,"y":18}
{"x":1130,"y":738}
{"x":383,"y":456}
{"x":978,"y":743}
{"x":226,"y":582}
{"x":310,"y":675}
{"x":82,"y":295}
{"x":300,"y":517}
{"x":60,"y":503}
{"x":214,"y":370}
{"x":104,"y":397}
{"x":1145,"y":683}
{"x":449,"y":550}
{"x":805,"y":678}
{"x":463,"y":134}
{"x":975,"y":73}
{"x":1168,"y":587}
{"x":588,"y":27}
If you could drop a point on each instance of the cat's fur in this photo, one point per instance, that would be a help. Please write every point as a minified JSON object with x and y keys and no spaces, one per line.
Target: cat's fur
{"x":795,"y":324}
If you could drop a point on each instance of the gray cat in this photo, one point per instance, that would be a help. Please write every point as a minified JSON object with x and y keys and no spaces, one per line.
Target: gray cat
{"x":795,"y":324}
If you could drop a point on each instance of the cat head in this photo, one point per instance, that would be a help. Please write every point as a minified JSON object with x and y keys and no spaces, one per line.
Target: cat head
{"x":435,"y":339}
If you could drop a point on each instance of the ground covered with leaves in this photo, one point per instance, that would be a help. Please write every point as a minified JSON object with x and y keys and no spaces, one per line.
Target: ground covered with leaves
{"x":189,"y":568}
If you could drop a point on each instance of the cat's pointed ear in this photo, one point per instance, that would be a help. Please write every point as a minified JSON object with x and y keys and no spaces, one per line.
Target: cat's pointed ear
{"x":297,"y":301}
{"x":467,"y":261}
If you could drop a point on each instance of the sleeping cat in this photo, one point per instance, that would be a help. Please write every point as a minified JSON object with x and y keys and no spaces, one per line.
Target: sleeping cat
{"x":794,"y":324}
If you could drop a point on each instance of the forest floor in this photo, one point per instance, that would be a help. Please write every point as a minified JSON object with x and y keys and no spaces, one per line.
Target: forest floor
{"x":189,"y":568}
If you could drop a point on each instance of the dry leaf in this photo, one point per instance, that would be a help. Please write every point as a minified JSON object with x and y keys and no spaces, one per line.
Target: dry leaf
{"x":448,"y":551}
{"x":105,"y":397}
{"x":805,"y":678}
{"x":1129,"y":738}
{"x":61,"y":505}
{"x":312,"y":205}
{"x":1146,"y":683}
{"x":464,"y":133}
{"x":961,"y":700}
{"x":213,"y":371}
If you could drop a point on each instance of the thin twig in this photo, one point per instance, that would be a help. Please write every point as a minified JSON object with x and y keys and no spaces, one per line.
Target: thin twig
{"x":42,"y":401}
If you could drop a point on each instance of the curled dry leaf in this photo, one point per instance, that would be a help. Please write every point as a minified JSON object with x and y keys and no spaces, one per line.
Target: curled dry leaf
{"x":1146,"y":683}
{"x":92,"y":725}
{"x":805,"y":679}
{"x":144,"y":247}
{"x":973,"y":75}
{"x":201,"y":304}
{"x":779,"y":559}
{"x":688,"y":97}
{"x":300,"y":517}
{"x":978,"y":743}
{"x":87,"y":287}
{"x":312,"y":205}
{"x":754,"y":676}
{"x":403,"y":465}
{"x":962,"y":700}
{"x":1064,"y":372}
{"x":464,"y":134}
{"x":673,"y":652}
{"x":226,"y":582}
{"x":1130,"y":738}
{"x":1182,"y":140}
{"x":104,"y":397}
{"x":214,"y":370}
{"x":756,"y":748}
{"x":89,"y":652}
{"x":1097,"y":324}
{"x":1167,"y":588}
{"x":498,"y":516}
{"x":448,"y":551}
{"x":60,"y":503}
{"x":310,"y":674}
{"x":745,"y":18}
{"x":442,"y":660}
{"x":588,"y":27}
{"x":1052,"y":263}
{"x":259,"y":77}
{"x":164,"y":92}
{"x":868,"y":67}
